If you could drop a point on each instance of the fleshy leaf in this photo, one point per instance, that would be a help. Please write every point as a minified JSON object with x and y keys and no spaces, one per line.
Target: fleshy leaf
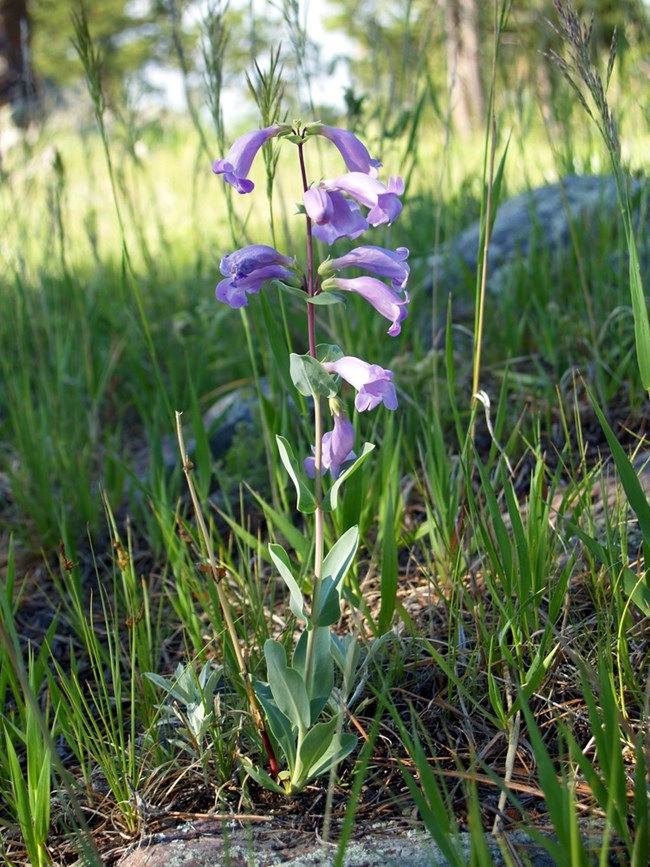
{"x":324,"y":299}
{"x":260,"y":776}
{"x":290,"y":290}
{"x":327,"y":609}
{"x":281,"y":560}
{"x":310,"y":377}
{"x":317,"y":742}
{"x":329,"y":352}
{"x":331,"y":499}
{"x":323,"y":677}
{"x":306,"y":501}
{"x":287,"y":686}
{"x":281,"y":728}
{"x":339,"y":747}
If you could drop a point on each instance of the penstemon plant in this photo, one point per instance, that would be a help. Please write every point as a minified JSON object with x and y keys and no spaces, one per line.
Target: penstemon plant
{"x":303,"y":709}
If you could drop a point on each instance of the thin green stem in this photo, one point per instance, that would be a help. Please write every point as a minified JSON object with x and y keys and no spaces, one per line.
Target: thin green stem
{"x":318,"y":434}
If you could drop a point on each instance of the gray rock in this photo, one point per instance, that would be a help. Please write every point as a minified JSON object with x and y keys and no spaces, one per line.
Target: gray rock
{"x":534,"y":220}
{"x":381,"y":846}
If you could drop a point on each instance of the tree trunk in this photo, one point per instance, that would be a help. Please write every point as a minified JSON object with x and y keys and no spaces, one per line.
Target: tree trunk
{"x":464,"y":65}
{"x":16,"y":75}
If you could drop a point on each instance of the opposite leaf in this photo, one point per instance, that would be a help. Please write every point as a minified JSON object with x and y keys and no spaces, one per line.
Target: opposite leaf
{"x":310,"y":377}
{"x":327,"y":609}
{"x":281,"y":560}
{"x":287,"y":686}
{"x":331,"y":499}
{"x":323,"y":669}
{"x":306,"y":502}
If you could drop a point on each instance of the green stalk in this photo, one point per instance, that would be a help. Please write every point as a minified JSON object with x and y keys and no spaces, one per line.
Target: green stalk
{"x":318,"y":434}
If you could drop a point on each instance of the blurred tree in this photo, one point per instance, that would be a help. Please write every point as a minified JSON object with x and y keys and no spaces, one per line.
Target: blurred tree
{"x":453,"y":40}
{"x":16,"y":76}
{"x":463,"y":42}
{"x":128,"y":34}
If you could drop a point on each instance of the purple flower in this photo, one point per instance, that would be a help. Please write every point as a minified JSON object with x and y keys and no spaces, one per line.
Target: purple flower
{"x":383,"y":201}
{"x":384,"y":299}
{"x":374,"y":385}
{"x":336,"y":449}
{"x":354,"y":152}
{"x":333,"y":215}
{"x":386,"y":263}
{"x":239,"y":159}
{"x":246,"y":269}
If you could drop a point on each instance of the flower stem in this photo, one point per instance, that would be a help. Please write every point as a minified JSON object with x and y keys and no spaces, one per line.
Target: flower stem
{"x":318,"y":435}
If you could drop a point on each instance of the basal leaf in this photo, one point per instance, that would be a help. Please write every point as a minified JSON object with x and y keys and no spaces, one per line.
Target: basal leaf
{"x":287,"y":686}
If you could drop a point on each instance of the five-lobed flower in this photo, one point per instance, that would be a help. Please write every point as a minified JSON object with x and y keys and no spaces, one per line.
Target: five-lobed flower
{"x":383,"y":298}
{"x":336,"y":449}
{"x":378,"y":260}
{"x":374,"y":384}
{"x":333,"y":215}
{"x":238,"y":161}
{"x":247,"y":269}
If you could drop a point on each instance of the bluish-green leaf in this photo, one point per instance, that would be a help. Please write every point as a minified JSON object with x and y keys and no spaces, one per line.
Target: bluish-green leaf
{"x":330,"y":501}
{"x":323,"y":668}
{"x":640,"y":310}
{"x":340,"y":746}
{"x":327,"y":298}
{"x":327,"y":608}
{"x":260,"y":776}
{"x":283,"y":565}
{"x":632,"y":486}
{"x":310,"y":377}
{"x":287,"y":686}
{"x":313,"y":748}
{"x":306,"y":500}
{"x":290,"y":290}
{"x":636,"y":589}
{"x":284,"y":733}
{"x":328,"y":352}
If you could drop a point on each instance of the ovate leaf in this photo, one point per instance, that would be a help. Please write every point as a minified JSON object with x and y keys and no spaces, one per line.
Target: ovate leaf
{"x":327,"y":608}
{"x":310,"y":377}
{"x":306,"y":500}
{"x":287,"y":686}
{"x":330,"y":501}
{"x":282,"y":564}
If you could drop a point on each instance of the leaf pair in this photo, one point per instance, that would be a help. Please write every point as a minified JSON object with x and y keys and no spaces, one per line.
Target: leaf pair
{"x":310,"y":748}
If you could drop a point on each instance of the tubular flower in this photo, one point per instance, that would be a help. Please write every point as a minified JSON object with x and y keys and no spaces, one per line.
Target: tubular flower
{"x":239,"y":159}
{"x":384,"y":299}
{"x":381,"y":200}
{"x":385,"y":263}
{"x":354,"y":152}
{"x":374,"y":384}
{"x":333,"y":215}
{"x":336,"y":449}
{"x":245,"y":270}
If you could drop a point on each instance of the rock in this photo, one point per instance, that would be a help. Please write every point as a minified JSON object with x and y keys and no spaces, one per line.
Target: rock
{"x":529,"y":222}
{"x":381,"y":846}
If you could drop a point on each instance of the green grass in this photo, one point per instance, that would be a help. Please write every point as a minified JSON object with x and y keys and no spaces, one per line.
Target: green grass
{"x":502,"y":616}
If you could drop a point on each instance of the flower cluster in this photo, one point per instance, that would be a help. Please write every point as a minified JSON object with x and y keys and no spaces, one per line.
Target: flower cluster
{"x":342,"y":207}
